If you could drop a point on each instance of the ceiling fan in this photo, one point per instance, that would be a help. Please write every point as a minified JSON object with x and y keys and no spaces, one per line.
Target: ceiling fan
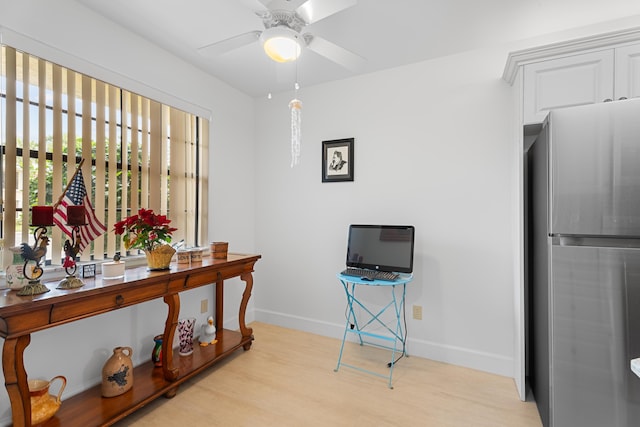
{"x":284,"y":24}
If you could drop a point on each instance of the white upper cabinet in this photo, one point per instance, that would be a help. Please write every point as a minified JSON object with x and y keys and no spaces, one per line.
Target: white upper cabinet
{"x":627,"y":79}
{"x":594,"y":69}
{"x":566,"y":82}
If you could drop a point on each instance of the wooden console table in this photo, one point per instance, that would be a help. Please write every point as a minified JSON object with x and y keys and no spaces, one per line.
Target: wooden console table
{"x":21,"y":316}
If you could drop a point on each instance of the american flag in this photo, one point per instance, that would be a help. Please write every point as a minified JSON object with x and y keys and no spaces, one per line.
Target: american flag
{"x":77,"y":195}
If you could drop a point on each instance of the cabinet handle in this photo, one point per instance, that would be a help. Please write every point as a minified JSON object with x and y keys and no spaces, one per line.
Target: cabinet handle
{"x":608,"y":100}
{"x":622,"y":98}
{"x":119,"y":300}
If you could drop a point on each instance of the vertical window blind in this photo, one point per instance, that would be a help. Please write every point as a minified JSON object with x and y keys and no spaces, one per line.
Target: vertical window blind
{"x":137,"y":153}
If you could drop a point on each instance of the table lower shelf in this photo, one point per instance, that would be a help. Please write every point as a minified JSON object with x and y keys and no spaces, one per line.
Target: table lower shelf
{"x":89,"y":408}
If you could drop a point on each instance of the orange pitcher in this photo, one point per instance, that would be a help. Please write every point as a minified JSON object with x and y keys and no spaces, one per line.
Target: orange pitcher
{"x":44,"y":405}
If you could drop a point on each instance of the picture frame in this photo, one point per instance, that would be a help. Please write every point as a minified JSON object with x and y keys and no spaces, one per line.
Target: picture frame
{"x":87,"y":270}
{"x":337,"y":160}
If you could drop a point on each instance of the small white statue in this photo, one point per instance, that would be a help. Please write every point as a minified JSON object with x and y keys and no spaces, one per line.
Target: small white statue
{"x":208,"y":333}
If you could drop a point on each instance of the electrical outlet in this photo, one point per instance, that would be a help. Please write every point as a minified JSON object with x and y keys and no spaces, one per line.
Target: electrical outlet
{"x":204,"y":306}
{"x":417,"y":312}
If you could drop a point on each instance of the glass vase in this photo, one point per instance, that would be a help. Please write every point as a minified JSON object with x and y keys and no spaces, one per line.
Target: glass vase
{"x":156,"y":354}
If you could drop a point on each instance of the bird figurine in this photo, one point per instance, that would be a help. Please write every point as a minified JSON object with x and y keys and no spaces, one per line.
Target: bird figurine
{"x":34,"y":254}
{"x":208,"y":333}
{"x":70,"y":251}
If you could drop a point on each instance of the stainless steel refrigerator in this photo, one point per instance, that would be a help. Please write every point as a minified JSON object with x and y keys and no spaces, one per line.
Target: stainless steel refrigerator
{"x":583,"y":269}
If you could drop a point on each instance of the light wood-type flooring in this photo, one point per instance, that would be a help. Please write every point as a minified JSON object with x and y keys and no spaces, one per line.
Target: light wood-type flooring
{"x":287,"y":378}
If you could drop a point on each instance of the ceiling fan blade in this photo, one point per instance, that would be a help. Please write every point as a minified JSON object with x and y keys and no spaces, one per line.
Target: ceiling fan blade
{"x":314,"y":10}
{"x":335,"y":53}
{"x":255,"y":4}
{"x":218,"y":48}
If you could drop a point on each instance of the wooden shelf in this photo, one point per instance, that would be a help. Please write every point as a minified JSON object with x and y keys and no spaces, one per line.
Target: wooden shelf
{"x":89,"y":408}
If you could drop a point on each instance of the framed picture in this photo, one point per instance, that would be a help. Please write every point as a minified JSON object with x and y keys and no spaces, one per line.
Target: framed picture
{"x":337,"y":160}
{"x":88,"y":270}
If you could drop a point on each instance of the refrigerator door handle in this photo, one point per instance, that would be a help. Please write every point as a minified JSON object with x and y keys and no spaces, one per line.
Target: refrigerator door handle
{"x":595,"y":241}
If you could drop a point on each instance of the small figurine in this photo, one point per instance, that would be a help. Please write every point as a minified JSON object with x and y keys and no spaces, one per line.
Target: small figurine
{"x":33,"y":254}
{"x":208,"y":333}
{"x":71,"y":251}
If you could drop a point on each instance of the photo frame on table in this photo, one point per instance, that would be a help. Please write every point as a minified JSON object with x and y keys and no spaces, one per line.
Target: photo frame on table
{"x":88,"y":270}
{"x":337,"y":160}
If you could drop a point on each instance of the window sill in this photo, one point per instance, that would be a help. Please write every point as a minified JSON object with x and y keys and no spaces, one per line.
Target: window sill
{"x":56,"y":272}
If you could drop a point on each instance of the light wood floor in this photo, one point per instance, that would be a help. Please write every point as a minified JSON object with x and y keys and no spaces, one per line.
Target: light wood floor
{"x":287,"y":378}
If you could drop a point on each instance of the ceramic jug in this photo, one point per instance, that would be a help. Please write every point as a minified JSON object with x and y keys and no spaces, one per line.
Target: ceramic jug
{"x":44,"y":405}
{"x":117,"y":372}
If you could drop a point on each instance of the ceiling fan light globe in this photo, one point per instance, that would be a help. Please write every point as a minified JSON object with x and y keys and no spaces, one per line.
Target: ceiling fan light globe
{"x":281,"y":44}
{"x":282,"y":49}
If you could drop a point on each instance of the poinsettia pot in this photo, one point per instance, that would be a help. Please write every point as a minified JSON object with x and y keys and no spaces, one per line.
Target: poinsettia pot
{"x":160,"y":257}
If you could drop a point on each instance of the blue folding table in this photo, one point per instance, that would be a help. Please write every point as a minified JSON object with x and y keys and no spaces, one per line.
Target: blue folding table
{"x":395,"y":333}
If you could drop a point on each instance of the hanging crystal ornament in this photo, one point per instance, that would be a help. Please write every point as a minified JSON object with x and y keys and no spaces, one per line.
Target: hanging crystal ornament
{"x":295,"y":105}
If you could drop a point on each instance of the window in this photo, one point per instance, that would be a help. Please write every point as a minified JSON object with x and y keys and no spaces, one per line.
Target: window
{"x":137,"y":153}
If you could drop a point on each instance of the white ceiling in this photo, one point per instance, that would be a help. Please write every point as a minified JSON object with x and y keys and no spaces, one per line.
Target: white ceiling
{"x":387,"y":33}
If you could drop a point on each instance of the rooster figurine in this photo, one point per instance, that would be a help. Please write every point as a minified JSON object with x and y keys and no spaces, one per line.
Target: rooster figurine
{"x":70,"y":251}
{"x":208,"y":333}
{"x":34,"y":254}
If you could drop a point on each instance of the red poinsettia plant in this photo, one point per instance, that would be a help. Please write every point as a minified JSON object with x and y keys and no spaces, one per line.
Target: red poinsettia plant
{"x":145,"y":230}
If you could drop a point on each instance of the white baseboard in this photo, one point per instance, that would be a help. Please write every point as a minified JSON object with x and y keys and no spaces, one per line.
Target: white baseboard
{"x":460,"y":356}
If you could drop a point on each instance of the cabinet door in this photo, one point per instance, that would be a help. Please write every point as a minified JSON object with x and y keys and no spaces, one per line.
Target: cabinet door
{"x":627,"y":71}
{"x":566,"y":82}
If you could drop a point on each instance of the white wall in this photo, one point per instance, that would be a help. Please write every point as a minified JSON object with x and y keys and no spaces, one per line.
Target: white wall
{"x":102,"y":50}
{"x":432,"y":142}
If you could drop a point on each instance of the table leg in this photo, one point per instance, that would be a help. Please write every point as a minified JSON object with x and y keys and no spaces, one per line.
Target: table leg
{"x":219,"y":303}
{"x":401,"y":314}
{"x":396,"y":333}
{"x":351,"y":320}
{"x":173,"y":304}
{"x":15,"y":379}
{"x":344,"y":338}
{"x":246,"y":331}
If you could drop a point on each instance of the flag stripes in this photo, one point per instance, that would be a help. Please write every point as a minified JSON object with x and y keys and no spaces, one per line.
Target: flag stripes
{"x":76,"y":194}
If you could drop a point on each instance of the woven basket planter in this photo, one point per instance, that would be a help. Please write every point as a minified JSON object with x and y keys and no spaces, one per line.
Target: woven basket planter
{"x":160,"y":258}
